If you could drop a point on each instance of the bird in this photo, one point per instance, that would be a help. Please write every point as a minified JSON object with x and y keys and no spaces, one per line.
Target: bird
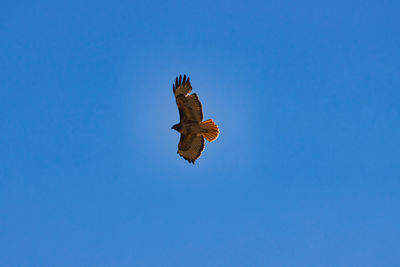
{"x":191,"y":126}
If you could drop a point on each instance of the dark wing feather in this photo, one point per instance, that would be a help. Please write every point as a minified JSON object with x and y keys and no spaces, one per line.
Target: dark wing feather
{"x":190,"y":108}
{"x":190,"y":147}
{"x":182,"y":87}
{"x":181,"y":114}
{"x":194,"y":104}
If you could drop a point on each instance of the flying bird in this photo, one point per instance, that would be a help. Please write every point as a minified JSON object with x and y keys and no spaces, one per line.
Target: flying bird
{"x":191,"y":126}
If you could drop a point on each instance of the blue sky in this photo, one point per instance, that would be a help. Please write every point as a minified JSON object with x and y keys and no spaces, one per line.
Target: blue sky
{"x":306,"y":171}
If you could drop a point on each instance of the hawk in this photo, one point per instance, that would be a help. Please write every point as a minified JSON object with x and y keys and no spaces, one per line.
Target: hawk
{"x":191,"y":126}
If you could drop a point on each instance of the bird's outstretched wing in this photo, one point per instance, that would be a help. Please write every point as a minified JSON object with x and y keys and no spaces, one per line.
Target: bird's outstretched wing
{"x":190,"y":147}
{"x":189,"y":106}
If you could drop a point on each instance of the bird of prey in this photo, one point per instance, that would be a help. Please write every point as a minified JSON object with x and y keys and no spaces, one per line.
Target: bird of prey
{"x":191,"y":126}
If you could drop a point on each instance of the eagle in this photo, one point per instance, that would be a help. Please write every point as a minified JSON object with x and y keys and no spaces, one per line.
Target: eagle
{"x":191,"y":126}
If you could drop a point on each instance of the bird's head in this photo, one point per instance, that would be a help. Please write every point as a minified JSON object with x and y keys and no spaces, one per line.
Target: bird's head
{"x":176,"y":127}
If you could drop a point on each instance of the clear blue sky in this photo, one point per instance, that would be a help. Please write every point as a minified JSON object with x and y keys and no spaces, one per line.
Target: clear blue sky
{"x":306,"y":171}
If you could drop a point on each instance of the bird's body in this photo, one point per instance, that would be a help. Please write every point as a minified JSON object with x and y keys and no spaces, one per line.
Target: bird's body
{"x":191,"y":126}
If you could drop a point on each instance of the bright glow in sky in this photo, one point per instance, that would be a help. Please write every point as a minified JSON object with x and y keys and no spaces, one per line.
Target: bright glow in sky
{"x":306,"y":171}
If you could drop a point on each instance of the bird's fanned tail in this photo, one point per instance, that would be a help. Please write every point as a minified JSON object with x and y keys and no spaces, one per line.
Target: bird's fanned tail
{"x":212,"y":130}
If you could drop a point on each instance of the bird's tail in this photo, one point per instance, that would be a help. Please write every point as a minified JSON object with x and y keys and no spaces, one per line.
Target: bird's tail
{"x":212,"y":130}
